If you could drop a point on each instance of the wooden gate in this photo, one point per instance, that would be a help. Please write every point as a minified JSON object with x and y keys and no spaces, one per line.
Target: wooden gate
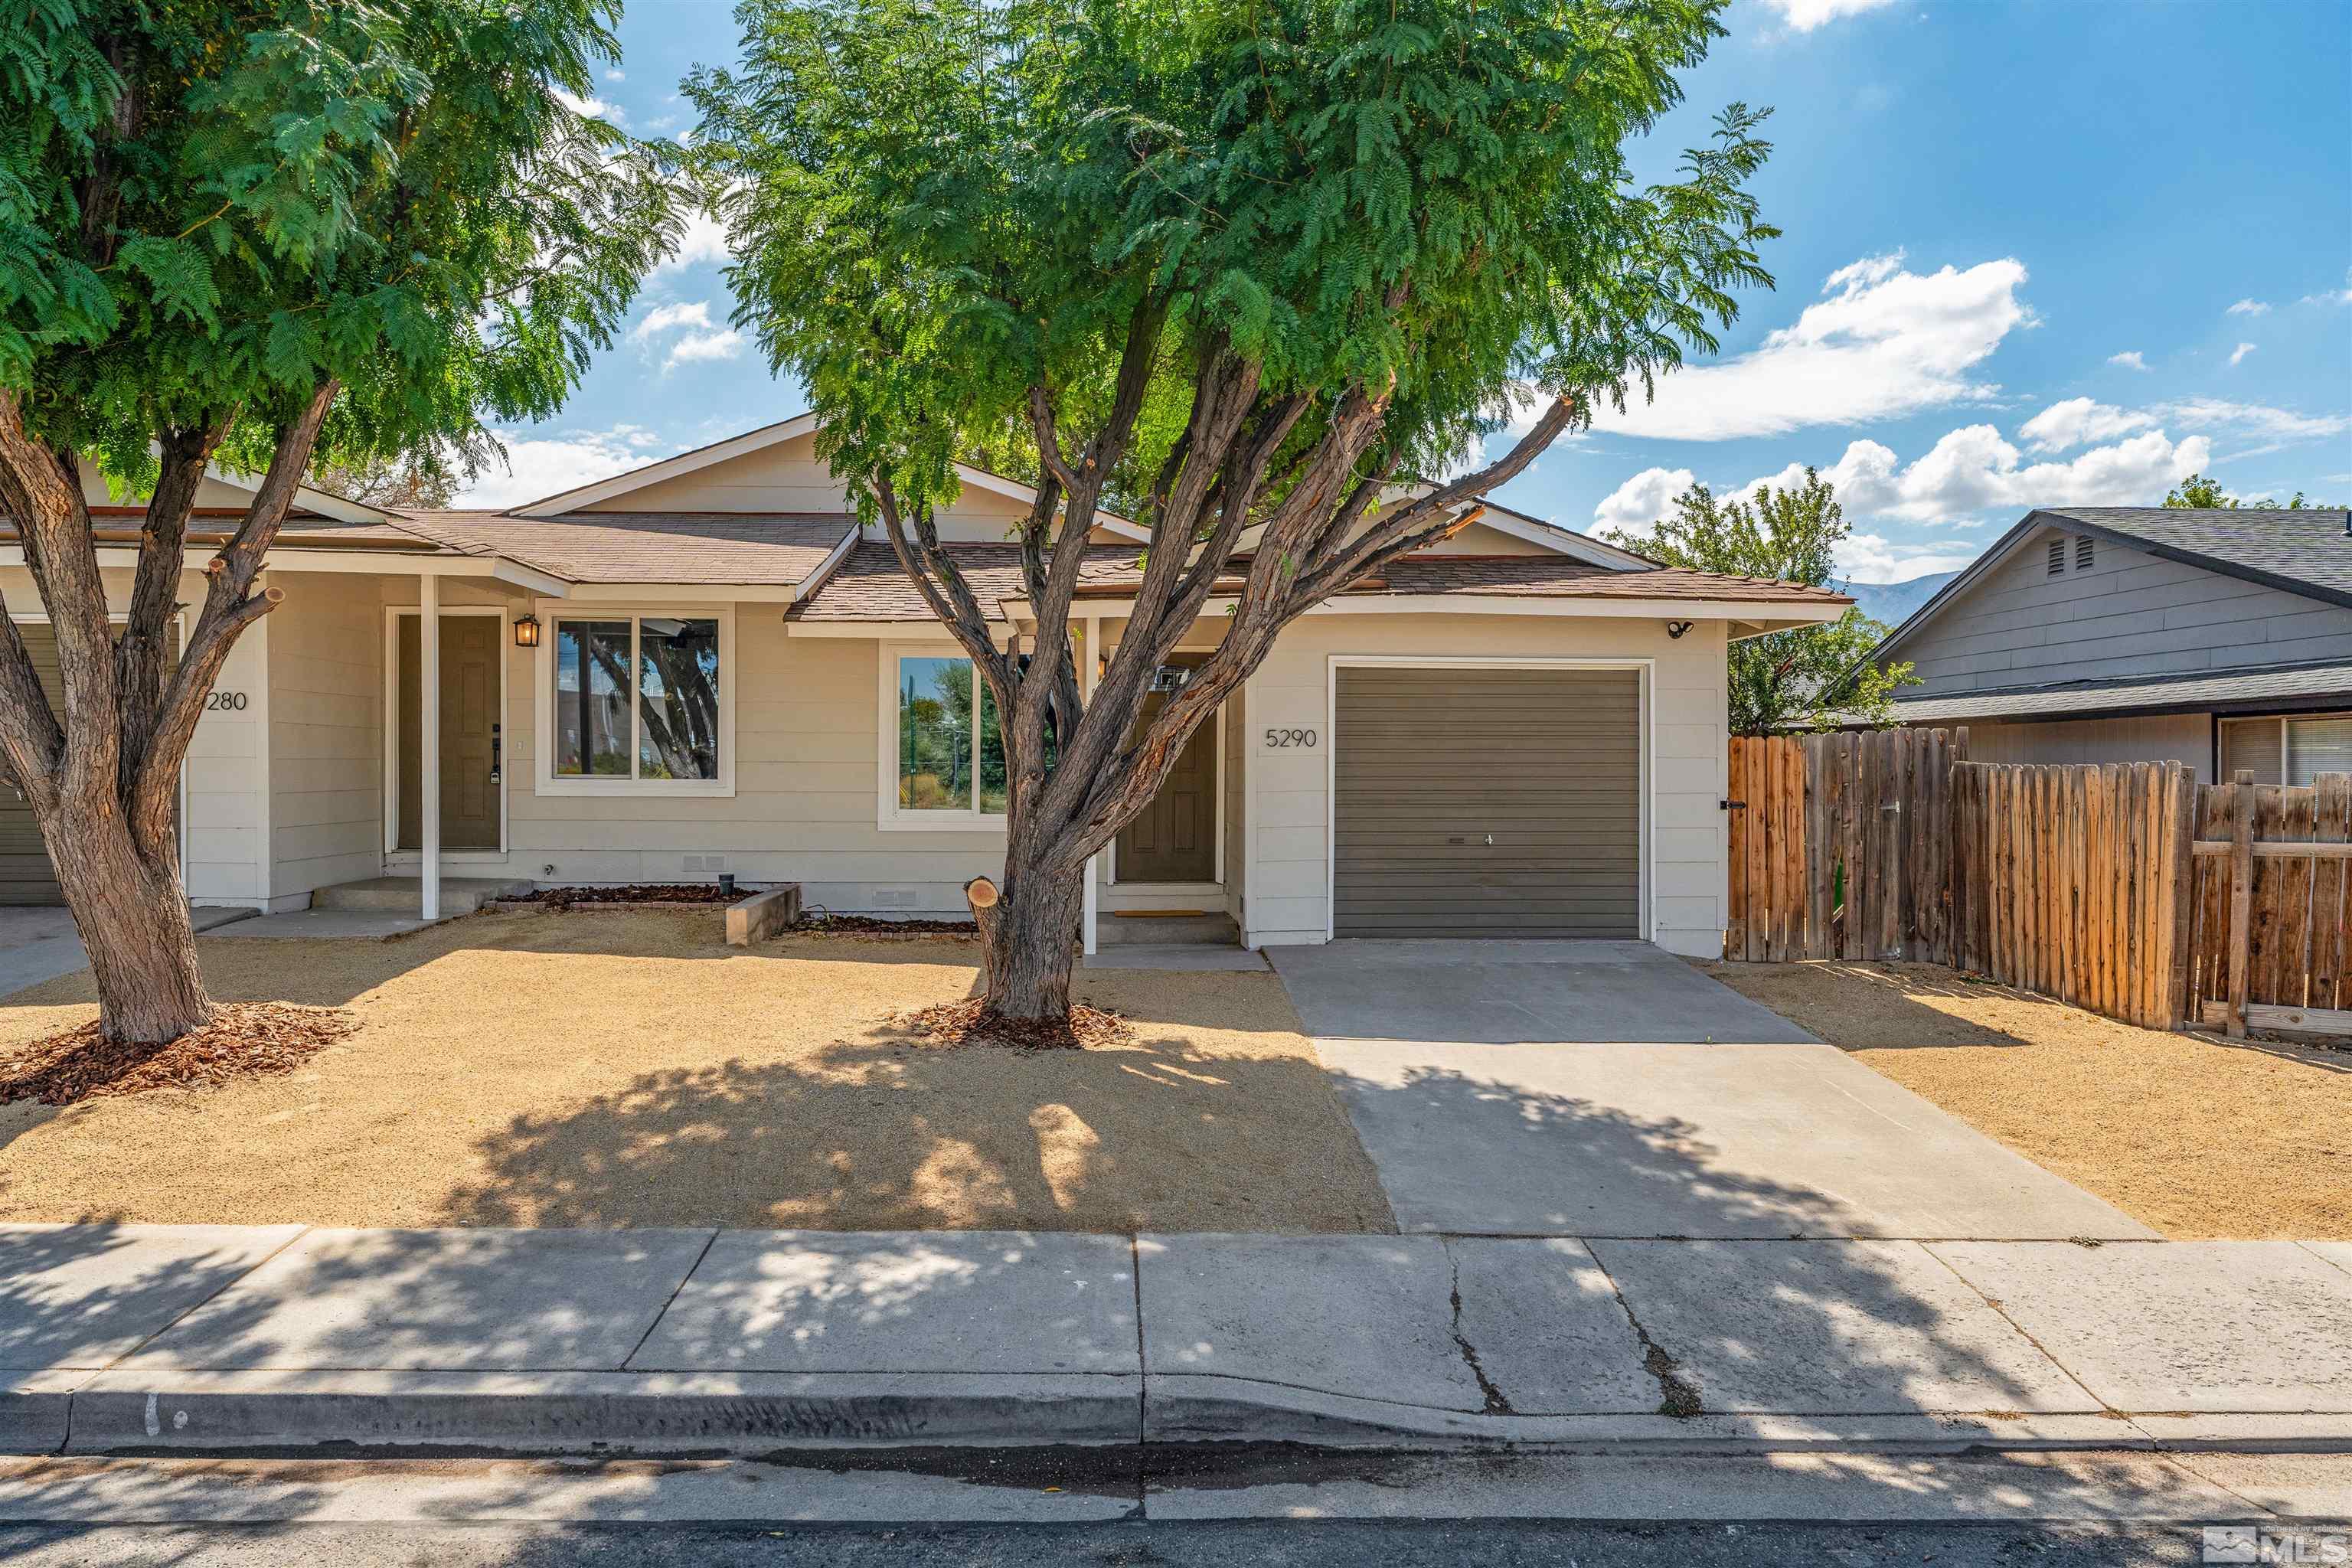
{"x":1841,"y":845}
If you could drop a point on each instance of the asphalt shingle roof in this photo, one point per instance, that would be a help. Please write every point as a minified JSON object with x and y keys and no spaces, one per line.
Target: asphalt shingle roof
{"x":2317,"y":680}
{"x":2308,"y":544}
{"x":869,"y":586}
{"x":766,"y":548}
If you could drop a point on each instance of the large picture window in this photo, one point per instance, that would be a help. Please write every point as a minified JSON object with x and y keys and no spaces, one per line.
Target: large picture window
{"x":638,"y":700}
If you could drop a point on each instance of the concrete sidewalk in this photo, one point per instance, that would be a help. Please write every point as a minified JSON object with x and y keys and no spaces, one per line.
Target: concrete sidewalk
{"x":220,"y":1338}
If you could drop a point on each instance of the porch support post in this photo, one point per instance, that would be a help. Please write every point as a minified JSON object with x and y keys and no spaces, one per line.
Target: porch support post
{"x":1086,"y":673}
{"x":428,"y":743}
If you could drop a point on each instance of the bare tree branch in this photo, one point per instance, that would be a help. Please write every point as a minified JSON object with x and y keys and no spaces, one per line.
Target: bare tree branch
{"x":140,"y":648}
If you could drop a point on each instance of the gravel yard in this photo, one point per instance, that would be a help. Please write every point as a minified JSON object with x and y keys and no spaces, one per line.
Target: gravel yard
{"x":2200,"y":1136}
{"x":630,"y":1069}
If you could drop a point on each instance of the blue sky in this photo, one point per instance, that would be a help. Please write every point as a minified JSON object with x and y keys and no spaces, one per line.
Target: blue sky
{"x":2034,"y":253}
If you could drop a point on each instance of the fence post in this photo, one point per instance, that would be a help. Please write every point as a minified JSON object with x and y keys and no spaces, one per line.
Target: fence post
{"x":2242,"y":898}
{"x":2181,"y":857}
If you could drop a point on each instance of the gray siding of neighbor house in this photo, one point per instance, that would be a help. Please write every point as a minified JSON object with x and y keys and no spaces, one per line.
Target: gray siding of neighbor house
{"x":2185,"y":738}
{"x":2128,"y":613}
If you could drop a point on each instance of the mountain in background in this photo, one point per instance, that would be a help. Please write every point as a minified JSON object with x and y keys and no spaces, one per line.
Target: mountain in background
{"x":1892,"y":603}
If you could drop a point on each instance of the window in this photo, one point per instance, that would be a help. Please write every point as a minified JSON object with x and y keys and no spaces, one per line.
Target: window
{"x":946,"y":750}
{"x":637,"y":702}
{"x":2287,"y":750}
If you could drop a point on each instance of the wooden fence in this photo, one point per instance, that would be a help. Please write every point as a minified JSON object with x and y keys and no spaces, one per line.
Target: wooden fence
{"x":2129,"y":889}
{"x":1841,"y":845}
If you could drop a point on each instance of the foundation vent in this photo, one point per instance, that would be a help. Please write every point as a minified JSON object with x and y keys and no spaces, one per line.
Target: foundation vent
{"x":893,"y":898}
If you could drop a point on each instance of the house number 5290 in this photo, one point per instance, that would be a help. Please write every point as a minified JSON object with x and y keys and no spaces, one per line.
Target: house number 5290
{"x":1278,"y":738}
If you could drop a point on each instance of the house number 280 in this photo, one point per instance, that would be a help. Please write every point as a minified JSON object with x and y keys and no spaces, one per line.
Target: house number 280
{"x":1278,"y":738}
{"x":230,"y":701}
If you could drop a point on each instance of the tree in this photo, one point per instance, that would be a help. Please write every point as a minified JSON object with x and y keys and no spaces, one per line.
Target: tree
{"x":271,"y":232}
{"x":2197,"y":491}
{"x":403,"y":480}
{"x":1814,"y":675}
{"x":1241,"y":265}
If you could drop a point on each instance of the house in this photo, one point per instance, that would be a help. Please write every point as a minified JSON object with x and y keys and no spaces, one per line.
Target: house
{"x":704,"y":666}
{"x":2221,"y":639}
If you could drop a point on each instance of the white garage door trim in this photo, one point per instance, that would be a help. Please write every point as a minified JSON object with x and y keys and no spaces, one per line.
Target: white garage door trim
{"x":1333,"y":663}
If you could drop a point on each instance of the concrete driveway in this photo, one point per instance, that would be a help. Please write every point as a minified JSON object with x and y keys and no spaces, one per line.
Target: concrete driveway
{"x":1607,"y":1089}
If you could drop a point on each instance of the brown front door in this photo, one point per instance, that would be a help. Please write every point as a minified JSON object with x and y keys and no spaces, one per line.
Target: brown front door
{"x":1175,"y":840}
{"x":469,"y":733}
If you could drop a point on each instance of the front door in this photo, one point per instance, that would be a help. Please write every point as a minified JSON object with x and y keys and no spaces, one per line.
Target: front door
{"x":469,"y":733}
{"x":1175,"y":840}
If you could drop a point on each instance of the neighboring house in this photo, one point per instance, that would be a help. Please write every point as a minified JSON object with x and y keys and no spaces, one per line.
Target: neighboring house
{"x":704,"y":666}
{"x":2217,"y":639}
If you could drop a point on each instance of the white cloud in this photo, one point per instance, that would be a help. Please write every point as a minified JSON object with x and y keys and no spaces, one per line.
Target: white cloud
{"x":1972,"y":470}
{"x":1804,"y":16}
{"x":593,"y":108}
{"x":696,"y":348}
{"x":2130,"y":359}
{"x":2078,"y":420}
{"x":2248,"y":308}
{"x":2334,"y":297}
{"x":1642,"y":500}
{"x":1884,"y":342}
{"x":616,"y":73}
{"x":541,"y":466}
{"x":704,"y":240}
{"x":2241,"y":351}
{"x":671,"y":318}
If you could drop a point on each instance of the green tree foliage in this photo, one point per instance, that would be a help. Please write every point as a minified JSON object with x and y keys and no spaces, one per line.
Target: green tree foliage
{"x":1812,"y":676}
{"x":265,"y":233}
{"x":2197,"y":491}
{"x":1226,"y":266}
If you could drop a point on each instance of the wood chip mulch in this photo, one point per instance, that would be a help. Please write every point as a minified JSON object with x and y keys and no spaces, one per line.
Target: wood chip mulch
{"x":876,"y":925}
{"x":246,"y":1039}
{"x":971,"y":1023}
{"x":641,"y":894}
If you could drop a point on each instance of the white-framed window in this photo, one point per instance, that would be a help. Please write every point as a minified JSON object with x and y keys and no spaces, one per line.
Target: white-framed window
{"x":2286,"y":750}
{"x":636,"y":700}
{"x":943,"y":752}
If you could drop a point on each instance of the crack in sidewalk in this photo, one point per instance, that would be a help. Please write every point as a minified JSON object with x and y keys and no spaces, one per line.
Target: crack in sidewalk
{"x":1497,"y":1403}
{"x":1678,"y":1394}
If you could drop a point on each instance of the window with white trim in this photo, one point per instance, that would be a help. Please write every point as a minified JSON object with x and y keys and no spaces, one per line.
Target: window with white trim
{"x":946,"y":752}
{"x":638,"y":701}
{"x":2289,"y":750}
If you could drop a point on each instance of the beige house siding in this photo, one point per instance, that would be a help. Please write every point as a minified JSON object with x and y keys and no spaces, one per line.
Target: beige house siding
{"x":788,"y":477}
{"x":1236,"y":740}
{"x":807,"y":737}
{"x":1286,"y":842}
{"x":326,"y":732}
{"x":2186,"y":738}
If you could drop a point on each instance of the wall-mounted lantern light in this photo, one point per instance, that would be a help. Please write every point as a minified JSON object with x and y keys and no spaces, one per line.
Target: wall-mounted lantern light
{"x":526,"y":631}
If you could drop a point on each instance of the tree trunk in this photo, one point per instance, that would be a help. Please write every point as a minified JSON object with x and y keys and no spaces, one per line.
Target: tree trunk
{"x":1029,"y":940}
{"x":134,"y":919}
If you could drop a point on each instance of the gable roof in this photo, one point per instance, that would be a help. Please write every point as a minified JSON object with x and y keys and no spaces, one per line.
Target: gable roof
{"x":868,"y":585}
{"x":776,"y":549}
{"x":2307,"y":549}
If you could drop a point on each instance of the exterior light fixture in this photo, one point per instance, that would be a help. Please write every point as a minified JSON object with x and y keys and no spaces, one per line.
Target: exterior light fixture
{"x":1674,"y":628}
{"x":526,"y":631}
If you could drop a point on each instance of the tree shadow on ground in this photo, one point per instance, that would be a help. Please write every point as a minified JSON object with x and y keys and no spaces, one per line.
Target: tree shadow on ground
{"x":886,"y":1133}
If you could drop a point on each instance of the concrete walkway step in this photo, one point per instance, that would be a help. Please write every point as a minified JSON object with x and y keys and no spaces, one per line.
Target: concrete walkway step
{"x":404,"y":895}
{"x":1208,"y":929}
{"x":222,"y":1338}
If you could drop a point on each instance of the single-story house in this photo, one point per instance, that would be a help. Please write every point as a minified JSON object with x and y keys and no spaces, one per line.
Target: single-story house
{"x":704,"y":666}
{"x":2219,"y":639}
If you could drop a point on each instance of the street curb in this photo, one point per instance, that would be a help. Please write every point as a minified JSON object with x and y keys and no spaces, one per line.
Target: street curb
{"x":587,"y":1413}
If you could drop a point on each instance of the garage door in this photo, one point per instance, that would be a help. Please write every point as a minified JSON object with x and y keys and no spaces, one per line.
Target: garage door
{"x":24,"y":875}
{"x":1476,"y":802}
